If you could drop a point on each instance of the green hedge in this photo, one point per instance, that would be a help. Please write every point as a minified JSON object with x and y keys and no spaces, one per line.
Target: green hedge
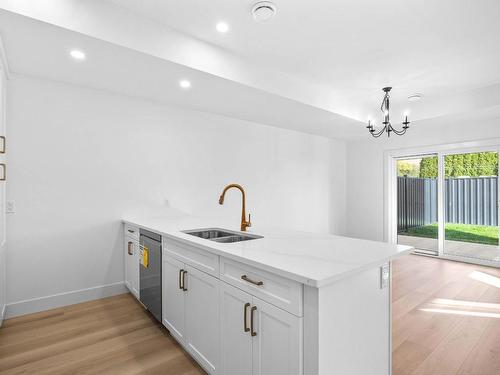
{"x":472,"y":165}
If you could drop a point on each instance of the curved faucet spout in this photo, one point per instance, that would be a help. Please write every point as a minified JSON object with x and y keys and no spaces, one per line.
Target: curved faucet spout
{"x":244,"y":223}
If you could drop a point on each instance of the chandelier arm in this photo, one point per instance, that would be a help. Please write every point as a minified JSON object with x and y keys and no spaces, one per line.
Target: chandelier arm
{"x":376,"y":135}
{"x":399,"y":132}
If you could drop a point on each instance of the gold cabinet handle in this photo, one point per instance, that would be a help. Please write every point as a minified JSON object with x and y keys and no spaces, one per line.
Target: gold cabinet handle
{"x":246,"y":278}
{"x":131,"y":231}
{"x":245,"y":319}
{"x":130,"y":248}
{"x":253,"y":333}
{"x":181,"y":273}
{"x":184,"y":280}
{"x":4,"y":174}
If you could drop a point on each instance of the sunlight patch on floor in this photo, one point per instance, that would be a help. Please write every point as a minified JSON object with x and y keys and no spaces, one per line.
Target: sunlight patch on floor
{"x":485,"y":278}
{"x":463,"y":312}
{"x":459,"y":303}
{"x":461,"y":307}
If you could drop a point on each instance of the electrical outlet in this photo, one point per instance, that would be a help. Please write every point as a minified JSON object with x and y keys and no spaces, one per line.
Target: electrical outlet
{"x":385,"y":275}
{"x":10,"y":207}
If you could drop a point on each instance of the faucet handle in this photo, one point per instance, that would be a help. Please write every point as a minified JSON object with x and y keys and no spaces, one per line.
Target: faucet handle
{"x":249,"y":222}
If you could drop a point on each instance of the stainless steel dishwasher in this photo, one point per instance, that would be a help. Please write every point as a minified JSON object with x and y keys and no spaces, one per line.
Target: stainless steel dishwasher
{"x":150,"y":272}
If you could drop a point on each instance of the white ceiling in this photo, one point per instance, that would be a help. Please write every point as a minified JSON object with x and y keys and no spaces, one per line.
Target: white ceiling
{"x":437,"y":48}
{"x":42,"y":50}
{"x":317,"y":67}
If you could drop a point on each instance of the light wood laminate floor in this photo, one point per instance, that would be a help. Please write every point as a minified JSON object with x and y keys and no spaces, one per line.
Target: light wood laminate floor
{"x":446,"y":317}
{"x":108,"y":336}
{"x":446,"y":320}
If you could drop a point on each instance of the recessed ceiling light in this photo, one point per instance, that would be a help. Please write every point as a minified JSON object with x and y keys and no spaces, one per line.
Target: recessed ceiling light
{"x":222,"y":27}
{"x":77,"y":54}
{"x":415,"y":97}
{"x":263,"y":11}
{"x":185,"y":84}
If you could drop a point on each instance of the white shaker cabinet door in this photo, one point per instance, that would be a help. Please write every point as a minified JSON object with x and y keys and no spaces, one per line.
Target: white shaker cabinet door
{"x":236,"y":339}
{"x":173,"y":297}
{"x":277,"y":345}
{"x":133,"y":266}
{"x":202,"y":318}
{"x":129,"y":262}
{"x":135,"y":273}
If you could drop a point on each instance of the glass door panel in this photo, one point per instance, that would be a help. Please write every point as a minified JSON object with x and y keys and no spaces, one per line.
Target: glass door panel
{"x":417,"y":203}
{"x":471,"y":205}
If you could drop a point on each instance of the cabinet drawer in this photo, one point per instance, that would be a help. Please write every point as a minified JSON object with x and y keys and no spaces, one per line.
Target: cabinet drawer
{"x":132,"y":231}
{"x":277,"y":290}
{"x":199,"y":259}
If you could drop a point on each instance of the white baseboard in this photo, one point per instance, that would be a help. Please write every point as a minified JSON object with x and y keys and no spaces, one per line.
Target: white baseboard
{"x":63,"y":299}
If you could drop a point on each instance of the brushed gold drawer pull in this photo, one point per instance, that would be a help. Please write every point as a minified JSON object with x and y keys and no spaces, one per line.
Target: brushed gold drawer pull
{"x":253,"y":333}
{"x":184,"y":281}
{"x":131,"y":231}
{"x":130,"y":248}
{"x":181,"y":273}
{"x":4,"y":172}
{"x":245,"y":318}
{"x":246,"y":278}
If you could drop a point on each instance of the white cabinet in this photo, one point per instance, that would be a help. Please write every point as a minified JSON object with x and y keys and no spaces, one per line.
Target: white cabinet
{"x":277,"y":346}
{"x":277,"y":290}
{"x":258,"y":338}
{"x":202,"y":318}
{"x":173,"y":297}
{"x":132,"y":264}
{"x":252,"y":327}
{"x":236,"y":341}
{"x":191,"y":310}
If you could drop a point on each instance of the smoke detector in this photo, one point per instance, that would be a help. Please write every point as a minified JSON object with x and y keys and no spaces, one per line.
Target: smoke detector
{"x":415,"y":97}
{"x":263,"y":11}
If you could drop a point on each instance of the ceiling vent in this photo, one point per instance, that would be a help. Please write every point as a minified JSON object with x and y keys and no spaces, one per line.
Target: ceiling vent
{"x":263,"y":11}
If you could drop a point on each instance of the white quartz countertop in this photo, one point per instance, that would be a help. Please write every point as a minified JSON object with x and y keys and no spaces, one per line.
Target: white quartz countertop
{"x":311,"y":259}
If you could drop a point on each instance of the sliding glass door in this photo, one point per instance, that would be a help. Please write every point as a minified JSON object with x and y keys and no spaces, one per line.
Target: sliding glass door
{"x":446,"y":203}
{"x":470,"y":191}
{"x":417,"y":203}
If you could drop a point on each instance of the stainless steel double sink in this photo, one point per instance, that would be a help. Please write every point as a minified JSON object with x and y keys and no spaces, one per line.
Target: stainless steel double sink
{"x":221,"y":235}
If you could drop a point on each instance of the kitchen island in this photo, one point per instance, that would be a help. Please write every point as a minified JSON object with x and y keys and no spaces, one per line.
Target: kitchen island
{"x":287,"y":303}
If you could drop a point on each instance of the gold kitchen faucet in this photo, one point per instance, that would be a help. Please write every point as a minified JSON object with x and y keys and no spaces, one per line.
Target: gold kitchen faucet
{"x":244,"y":223}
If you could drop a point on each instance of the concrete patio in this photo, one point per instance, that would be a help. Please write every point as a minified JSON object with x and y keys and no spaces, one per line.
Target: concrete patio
{"x":464,"y":249}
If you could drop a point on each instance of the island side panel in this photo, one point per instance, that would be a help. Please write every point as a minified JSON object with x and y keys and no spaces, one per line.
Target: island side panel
{"x":311,"y":330}
{"x":353,"y":322}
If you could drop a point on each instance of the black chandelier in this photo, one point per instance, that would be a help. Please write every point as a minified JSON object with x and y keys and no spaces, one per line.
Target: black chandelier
{"x":387,"y":124}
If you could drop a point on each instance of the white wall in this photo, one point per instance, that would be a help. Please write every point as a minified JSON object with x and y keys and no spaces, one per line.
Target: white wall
{"x":80,"y":159}
{"x":365,"y":164}
{"x":3,"y":159}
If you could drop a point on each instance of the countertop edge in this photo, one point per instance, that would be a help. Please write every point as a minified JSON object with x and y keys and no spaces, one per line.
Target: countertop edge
{"x":292,"y":276}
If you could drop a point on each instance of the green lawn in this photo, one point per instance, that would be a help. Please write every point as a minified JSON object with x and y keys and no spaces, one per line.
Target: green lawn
{"x":459,"y":232}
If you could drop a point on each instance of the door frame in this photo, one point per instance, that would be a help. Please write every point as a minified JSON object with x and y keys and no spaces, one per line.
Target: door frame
{"x":394,"y":222}
{"x":390,"y":188}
